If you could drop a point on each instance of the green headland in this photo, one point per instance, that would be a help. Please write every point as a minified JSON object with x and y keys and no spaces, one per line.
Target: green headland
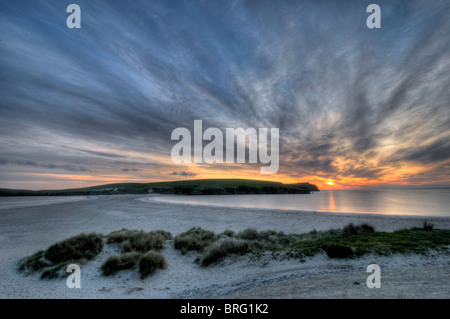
{"x":187,"y":187}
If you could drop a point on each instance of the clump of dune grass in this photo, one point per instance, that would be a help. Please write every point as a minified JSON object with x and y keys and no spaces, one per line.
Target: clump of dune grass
{"x":81,"y":246}
{"x":266,"y":239}
{"x":138,"y":248}
{"x":150,"y":262}
{"x":360,"y":229}
{"x":147,"y":263}
{"x":84,"y":247}
{"x":119,"y":236}
{"x":194,"y":239}
{"x":139,"y":240}
{"x":116,"y":263}
{"x":33,"y":263}
{"x":77,"y":249}
{"x":228,"y":233}
{"x":124,"y":234}
{"x":246,"y":241}
{"x":427,"y":226}
{"x":248,"y":233}
{"x":222,"y":248}
{"x":338,"y":251}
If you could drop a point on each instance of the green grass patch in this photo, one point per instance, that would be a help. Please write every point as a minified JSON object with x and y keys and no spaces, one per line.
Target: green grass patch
{"x":346,"y":244}
{"x":349,"y":242}
{"x":49,"y":263}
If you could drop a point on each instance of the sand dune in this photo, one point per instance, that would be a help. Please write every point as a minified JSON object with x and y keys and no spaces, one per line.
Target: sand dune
{"x":26,"y":230}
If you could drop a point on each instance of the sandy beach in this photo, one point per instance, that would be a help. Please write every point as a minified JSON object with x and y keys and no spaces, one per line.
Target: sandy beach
{"x":25,"y":230}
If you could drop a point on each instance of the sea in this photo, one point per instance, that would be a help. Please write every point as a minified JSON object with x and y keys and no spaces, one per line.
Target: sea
{"x":421,"y":202}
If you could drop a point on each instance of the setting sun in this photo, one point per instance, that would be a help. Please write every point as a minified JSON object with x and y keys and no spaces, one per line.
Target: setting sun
{"x":330,"y":182}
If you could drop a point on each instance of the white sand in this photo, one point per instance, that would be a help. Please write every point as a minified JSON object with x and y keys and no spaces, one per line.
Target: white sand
{"x":29,"y":201}
{"x":23,"y":231}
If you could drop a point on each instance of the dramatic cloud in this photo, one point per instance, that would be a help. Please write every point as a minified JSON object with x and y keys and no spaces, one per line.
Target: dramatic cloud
{"x":48,"y":165}
{"x":361,"y":106}
{"x":131,"y":169}
{"x":184,"y":174}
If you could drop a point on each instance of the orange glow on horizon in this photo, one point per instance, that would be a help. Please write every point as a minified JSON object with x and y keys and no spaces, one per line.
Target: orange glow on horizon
{"x":167,"y":171}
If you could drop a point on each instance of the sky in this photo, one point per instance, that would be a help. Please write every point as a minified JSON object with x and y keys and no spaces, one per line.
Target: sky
{"x":355,"y":107}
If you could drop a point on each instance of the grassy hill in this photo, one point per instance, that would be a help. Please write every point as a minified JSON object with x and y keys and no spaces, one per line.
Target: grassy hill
{"x":189,"y":187}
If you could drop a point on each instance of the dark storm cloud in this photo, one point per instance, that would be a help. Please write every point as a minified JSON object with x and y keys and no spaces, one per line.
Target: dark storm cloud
{"x":65,"y":167}
{"x":136,"y":70}
{"x":131,"y":170}
{"x":103,"y":154}
{"x":433,"y":153}
{"x":184,"y":174}
{"x":69,"y":168}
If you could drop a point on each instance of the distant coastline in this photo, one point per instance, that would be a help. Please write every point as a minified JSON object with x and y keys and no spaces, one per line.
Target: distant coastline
{"x":187,"y":187}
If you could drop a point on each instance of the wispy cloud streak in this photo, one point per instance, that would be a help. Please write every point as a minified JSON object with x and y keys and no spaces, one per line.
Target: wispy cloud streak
{"x":351,"y":103}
